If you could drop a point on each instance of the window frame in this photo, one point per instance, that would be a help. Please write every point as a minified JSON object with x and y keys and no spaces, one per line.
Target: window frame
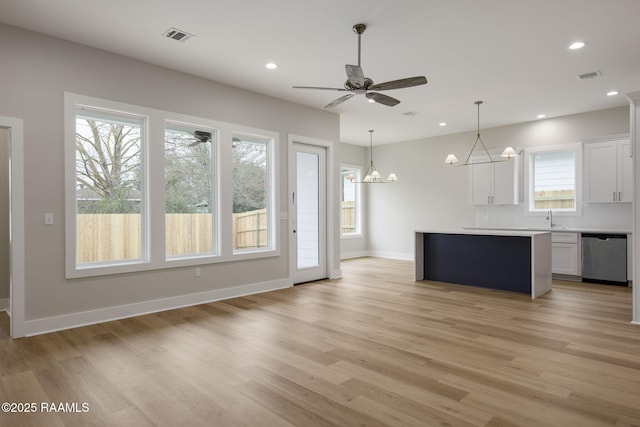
{"x":213,"y":170}
{"x":358,"y":201}
{"x":576,"y":149}
{"x":271,"y":193}
{"x":153,"y":179}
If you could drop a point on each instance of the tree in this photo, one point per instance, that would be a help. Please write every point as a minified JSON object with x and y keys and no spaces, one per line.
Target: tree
{"x":188,"y":176}
{"x":108,"y":164}
{"x":249,"y":176}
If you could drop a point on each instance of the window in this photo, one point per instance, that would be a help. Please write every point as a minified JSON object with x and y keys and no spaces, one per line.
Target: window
{"x":252,"y":192}
{"x":189,"y":169}
{"x":554,"y":179}
{"x":109,"y":188}
{"x":148,"y":189}
{"x":350,"y":213}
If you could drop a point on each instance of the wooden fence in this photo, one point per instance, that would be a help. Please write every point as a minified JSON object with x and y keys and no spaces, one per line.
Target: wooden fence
{"x":108,"y":237}
{"x":116,"y":237}
{"x":348,"y":217}
{"x":556,"y":199}
{"x":250,"y":229}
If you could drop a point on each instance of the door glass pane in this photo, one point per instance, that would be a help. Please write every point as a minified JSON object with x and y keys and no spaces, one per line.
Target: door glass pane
{"x":308,"y":210}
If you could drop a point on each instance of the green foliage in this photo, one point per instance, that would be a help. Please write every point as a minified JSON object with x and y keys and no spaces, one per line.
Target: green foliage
{"x":249,"y":176}
{"x":188,"y":182}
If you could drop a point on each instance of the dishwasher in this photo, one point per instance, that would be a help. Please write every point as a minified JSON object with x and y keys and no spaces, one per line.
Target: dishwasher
{"x":604,"y":258}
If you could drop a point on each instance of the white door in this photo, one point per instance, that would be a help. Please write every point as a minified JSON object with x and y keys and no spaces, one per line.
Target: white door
{"x":308,"y":200}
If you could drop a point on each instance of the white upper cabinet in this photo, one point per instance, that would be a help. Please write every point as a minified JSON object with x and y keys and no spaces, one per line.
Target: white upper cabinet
{"x":608,"y":171}
{"x":495,"y":183}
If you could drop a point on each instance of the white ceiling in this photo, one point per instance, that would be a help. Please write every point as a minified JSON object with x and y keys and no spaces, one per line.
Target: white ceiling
{"x":512,"y":54}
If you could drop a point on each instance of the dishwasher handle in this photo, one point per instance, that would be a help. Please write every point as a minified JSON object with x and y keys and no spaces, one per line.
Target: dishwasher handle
{"x":601,"y":236}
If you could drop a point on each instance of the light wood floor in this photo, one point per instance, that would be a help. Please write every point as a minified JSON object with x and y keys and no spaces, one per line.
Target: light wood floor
{"x":374,"y":348}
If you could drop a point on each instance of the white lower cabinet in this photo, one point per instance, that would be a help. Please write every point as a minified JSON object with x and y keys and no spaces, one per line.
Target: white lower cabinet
{"x":566,"y":254}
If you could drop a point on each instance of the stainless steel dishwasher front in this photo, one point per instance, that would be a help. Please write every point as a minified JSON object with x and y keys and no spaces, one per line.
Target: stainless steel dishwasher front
{"x":604,"y":258}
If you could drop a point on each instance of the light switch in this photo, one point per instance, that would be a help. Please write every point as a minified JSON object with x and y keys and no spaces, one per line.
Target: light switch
{"x":48,"y":219}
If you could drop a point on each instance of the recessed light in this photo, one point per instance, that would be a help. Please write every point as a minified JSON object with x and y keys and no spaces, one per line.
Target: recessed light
{"x":371,"y":100}
{"x":612,"y":93}
{"x":577,"y":45}
{"x":272,"y":65}
{"x":442,"y":124}
{"x":541,"y":116}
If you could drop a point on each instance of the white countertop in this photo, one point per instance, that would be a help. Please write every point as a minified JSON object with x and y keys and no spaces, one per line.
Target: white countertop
{"x":554,"y":229}
{"x":489,"y":232}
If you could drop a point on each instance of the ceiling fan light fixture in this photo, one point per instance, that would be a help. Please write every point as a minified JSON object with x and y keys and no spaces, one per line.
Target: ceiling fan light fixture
{"x":358,"y":84}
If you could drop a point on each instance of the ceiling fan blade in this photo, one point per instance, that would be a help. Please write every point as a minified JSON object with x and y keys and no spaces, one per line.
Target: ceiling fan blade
{"x":382,"y":99}
{"x":399,"y":84}
{"x":355,"y":75}
{"x":320,"y":88}
{"x":338,"y":101}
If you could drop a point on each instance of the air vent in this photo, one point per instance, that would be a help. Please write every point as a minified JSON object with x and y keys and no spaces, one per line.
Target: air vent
{"x":591,"y":75}
{"x":179,"y":35}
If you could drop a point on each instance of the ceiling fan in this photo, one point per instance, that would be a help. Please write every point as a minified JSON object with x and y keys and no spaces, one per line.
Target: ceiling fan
{"x":358,"y":84}
{"x":201,"y":137}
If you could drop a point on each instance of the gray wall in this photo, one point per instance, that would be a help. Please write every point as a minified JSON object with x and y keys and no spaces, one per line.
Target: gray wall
{"x":432,"y":195}
{"x":37,"y":70}
{"x":4,"y":213}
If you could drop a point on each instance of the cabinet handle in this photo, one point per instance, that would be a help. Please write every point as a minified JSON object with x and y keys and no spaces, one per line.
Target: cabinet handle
{"x":614,"y":196}
{"x":619,"y":196}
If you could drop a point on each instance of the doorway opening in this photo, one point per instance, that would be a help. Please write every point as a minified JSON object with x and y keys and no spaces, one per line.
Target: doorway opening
{"x":12,"y":228}
{"x":312,"y":220}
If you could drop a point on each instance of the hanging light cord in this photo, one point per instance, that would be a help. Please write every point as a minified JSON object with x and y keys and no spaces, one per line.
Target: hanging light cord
{"x":466,"y":162}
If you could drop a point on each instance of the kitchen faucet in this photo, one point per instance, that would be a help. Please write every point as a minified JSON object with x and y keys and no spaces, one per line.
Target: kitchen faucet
{"x":550,"y":218}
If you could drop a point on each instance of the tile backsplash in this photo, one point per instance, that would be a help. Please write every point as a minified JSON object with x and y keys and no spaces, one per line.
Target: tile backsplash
{"x":599,"y":216}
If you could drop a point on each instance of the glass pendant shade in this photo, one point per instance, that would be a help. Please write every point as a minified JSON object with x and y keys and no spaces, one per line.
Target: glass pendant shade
{"x":509,"y":152}
{"x":451,"y":159}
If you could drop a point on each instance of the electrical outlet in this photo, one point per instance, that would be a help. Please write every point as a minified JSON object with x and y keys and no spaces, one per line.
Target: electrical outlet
{"x":198,"y":272}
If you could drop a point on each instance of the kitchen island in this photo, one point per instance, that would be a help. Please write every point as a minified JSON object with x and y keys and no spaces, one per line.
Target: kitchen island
{"x":514,"y":260}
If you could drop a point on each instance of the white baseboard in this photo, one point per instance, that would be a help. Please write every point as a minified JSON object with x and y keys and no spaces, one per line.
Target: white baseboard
{"x":351,"y":255}
{"x":74,"y":320}
{"x":393,"y":255}
{"x":4,"y":304}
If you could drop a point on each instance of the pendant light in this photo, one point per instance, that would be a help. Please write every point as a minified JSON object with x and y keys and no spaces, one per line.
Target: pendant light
{"x":371,"y":175}
{"x":507,"y":154}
